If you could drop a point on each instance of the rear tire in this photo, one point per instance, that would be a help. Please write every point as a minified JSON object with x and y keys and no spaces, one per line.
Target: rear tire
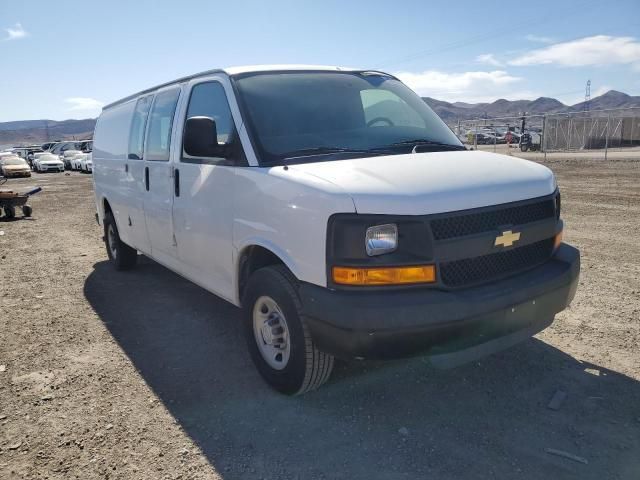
{"x":121,"y":255}
{"x":277,"y":335}
{"x":27,"y":210}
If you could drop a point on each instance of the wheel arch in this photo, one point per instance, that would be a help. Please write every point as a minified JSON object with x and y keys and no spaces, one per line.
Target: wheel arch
{"x":257,"y":255}
{"x":104,"y":207}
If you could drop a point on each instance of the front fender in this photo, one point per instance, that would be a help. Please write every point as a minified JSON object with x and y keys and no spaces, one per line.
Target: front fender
{"x":255,"y":241}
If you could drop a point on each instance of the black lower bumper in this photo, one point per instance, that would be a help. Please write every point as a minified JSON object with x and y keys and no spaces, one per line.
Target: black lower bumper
{"x":450,"y":326}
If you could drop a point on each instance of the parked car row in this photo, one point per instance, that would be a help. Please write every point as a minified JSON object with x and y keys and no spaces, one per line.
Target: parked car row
{"x":55,"y":156}
{"x":491,"y":136}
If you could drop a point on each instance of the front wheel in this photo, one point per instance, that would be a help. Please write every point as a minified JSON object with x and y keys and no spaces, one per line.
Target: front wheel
{"x":277,"y":335}
{"x":122,"y":255}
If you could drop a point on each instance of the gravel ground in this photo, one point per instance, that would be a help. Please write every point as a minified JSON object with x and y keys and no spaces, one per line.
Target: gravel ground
{"x":143,"y":375}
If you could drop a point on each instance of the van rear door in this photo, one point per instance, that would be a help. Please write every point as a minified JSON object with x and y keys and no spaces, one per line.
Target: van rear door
{"x":110,"y":158}
{"x":157,"y":175}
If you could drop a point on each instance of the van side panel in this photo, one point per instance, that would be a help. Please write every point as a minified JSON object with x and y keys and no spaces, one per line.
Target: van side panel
{"x":111,"y":140}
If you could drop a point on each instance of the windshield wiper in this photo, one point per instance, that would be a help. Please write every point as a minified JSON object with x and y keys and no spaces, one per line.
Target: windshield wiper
{"x":419,"y":142}
{"x":310,"y":152}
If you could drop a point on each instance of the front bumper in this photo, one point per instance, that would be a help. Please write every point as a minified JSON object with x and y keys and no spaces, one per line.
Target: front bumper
{"x":10,"y":174}
{"x":453,"y":326}
{"x":52,"y":168}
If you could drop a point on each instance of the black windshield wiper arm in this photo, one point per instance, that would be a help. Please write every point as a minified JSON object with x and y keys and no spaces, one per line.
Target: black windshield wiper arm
{"x":309,"y":152}
{"x":419,"y":142}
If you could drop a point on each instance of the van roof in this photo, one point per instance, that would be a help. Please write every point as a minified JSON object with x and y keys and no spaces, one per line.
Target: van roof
{"x":237,"y":71}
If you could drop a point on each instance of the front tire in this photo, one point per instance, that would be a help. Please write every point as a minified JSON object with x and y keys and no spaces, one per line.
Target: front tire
{"x":121,"y":255}
{"x":277,"y":334}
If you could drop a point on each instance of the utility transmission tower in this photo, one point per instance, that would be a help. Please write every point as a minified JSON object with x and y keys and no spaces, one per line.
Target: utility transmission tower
{"x":587,"y":97}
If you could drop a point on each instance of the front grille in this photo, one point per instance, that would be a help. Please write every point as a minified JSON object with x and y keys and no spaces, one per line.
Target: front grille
{"x":472,"y":223}
{"x":485,"y":268}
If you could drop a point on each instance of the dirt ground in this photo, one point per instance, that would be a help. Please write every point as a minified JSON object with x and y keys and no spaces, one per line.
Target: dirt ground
{"x":143,"y":375}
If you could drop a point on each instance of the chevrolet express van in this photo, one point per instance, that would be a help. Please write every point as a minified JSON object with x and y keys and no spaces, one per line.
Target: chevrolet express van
{"x":338,"y":211}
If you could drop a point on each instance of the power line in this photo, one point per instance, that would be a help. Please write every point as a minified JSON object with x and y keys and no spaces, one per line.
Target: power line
{"x":449,"y":46}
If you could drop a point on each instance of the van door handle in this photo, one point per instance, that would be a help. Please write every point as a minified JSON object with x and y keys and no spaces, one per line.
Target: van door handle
{"x":146,"y":178}
{"x":176,"y":182}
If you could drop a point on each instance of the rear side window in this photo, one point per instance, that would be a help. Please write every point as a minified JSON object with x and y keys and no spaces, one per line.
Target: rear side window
{"x":160,"y":124}
{"x":138,"y":126}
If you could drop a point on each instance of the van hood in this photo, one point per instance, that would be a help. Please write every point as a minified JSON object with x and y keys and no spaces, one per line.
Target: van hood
{"x":434,"y":182}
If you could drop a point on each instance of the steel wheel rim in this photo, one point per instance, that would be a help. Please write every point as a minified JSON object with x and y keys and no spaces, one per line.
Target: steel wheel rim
{"x":271,"y":333}
{"x":111,"y":240}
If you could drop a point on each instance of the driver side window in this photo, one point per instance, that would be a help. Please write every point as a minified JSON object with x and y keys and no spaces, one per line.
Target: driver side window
{"x":383,"y":108}
{"x":209,"y":99}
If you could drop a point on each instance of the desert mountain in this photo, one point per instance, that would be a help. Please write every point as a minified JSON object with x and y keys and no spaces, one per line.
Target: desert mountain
{"x":40,"y":131}
{"x":451,"y":112}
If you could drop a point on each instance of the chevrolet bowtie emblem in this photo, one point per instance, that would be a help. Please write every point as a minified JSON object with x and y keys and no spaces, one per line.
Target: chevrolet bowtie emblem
{"x":507,"y":239}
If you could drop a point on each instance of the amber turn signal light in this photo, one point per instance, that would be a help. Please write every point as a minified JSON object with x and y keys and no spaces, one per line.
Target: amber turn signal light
{"x":384,"y":275}
{"x":557,"y":240}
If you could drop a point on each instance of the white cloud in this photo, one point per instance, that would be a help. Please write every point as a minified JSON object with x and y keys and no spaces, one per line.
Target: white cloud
{"x":84,"y":104}
{"x":596,"y":50}
{"x":465,"y":86}
{"x":15,"y":32}
{"x":539,"y":39}
{"x":489,"y":59}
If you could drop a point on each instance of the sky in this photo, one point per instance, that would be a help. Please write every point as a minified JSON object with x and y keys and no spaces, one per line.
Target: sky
{"x":65,"y":59}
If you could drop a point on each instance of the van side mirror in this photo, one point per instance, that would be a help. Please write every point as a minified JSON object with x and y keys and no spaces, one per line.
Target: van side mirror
{"x":201,"y":138}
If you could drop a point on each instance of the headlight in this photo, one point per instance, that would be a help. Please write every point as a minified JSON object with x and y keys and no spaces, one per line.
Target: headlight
{"x":381,"y":239}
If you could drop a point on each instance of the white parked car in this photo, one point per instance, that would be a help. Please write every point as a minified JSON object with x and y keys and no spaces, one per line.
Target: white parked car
{"x":67,"y":157}
{"x":86,"y":164}
{"x":47,"y":162}
{"x":36,"y":157}
{"x":338,"y":211}
{"x":76,"y":161}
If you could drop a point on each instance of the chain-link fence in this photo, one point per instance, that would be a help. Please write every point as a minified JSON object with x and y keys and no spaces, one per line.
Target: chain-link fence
{"x":598,"y":131}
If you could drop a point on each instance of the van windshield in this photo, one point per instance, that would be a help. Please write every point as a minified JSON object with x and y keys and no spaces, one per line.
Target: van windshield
{"x":298,"y":117}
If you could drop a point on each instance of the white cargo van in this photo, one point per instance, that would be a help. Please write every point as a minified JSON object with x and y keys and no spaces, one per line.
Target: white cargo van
{"x":340,"y":213}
